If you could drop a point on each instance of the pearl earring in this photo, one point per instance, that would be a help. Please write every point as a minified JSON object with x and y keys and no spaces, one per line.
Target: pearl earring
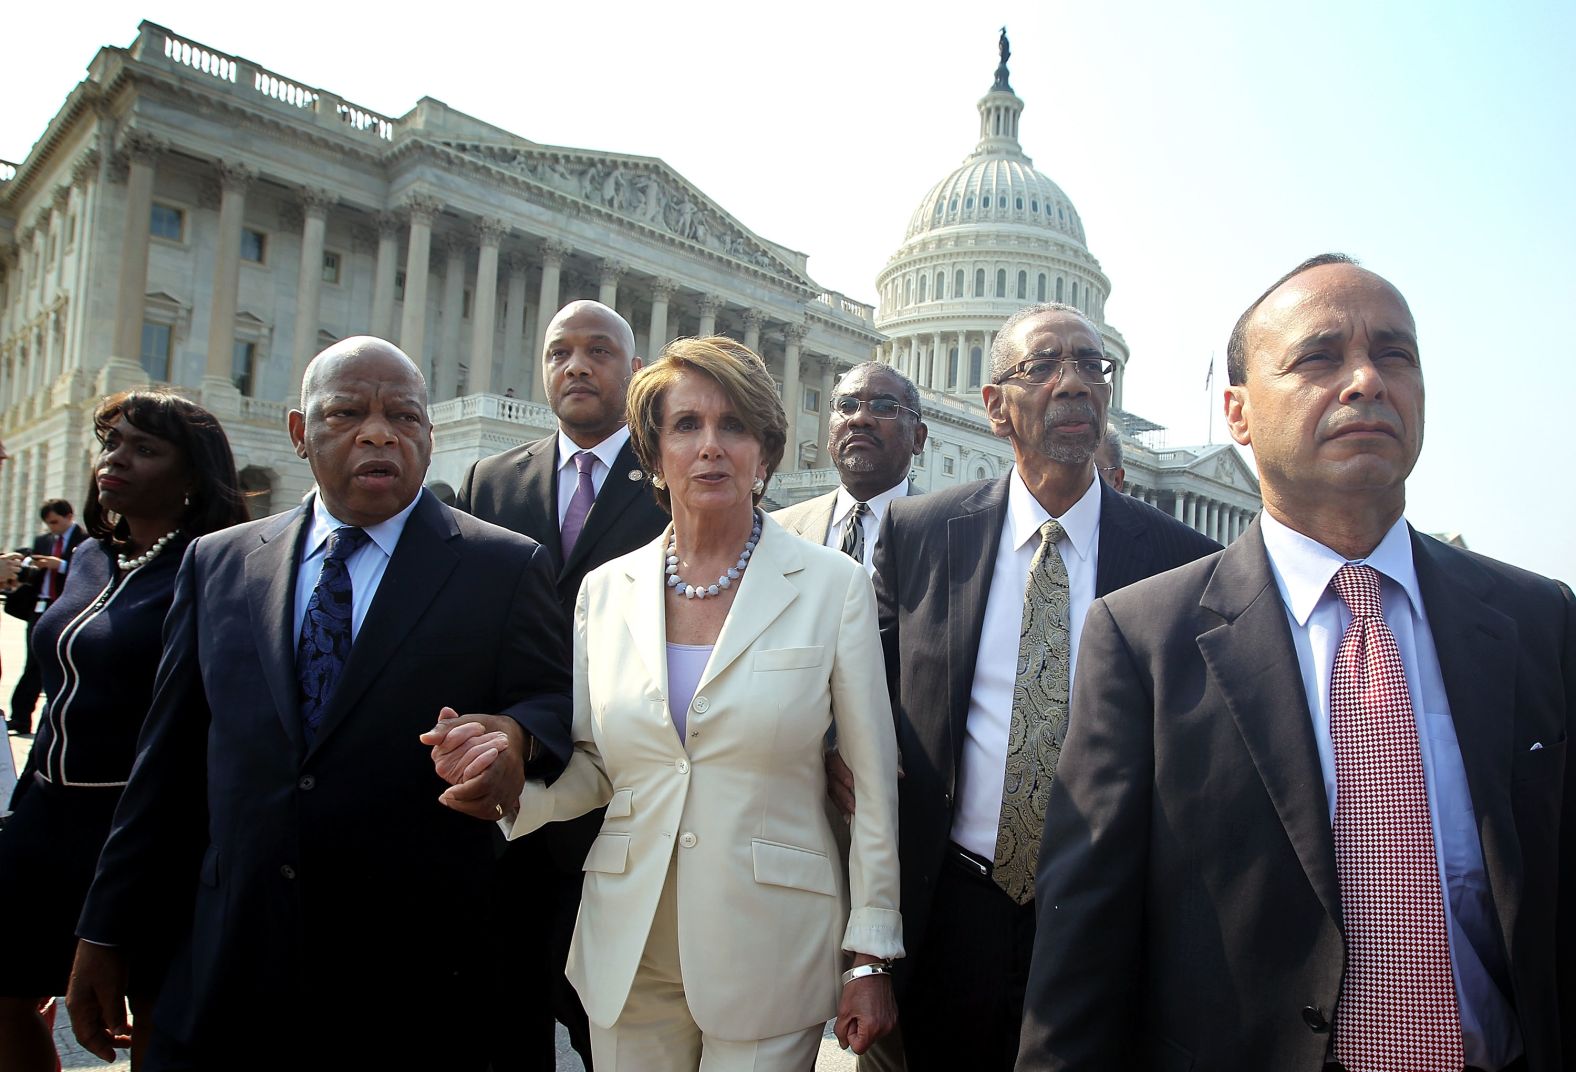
{"x":759,"y":486}
{"x":657,"y":481}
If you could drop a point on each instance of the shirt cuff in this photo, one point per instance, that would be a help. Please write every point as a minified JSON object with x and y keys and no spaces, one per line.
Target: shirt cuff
{"x":876,"y":932}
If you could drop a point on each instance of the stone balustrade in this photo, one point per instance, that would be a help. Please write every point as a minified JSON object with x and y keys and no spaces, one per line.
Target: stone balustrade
{"x":253,"y":80}
{"x":494,"y":407}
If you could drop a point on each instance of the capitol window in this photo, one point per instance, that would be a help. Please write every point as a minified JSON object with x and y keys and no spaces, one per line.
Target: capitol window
{"x":1001,"y":282}
{"x":941,"y":285}
{"x":1019,"y":204}
{"x":957,"y":284}
{"x":155,"y":354}
{"x":1039,"y":288}
{"x":1023,"y":285}
{"x":1034,"y":206}
{"x":979,"y":282}
{"x":167,"y":223}
{"x":1001,"y":202}
{"x":330,"y":267}
{"x":953,"y":205}
{"x":1058,"y":288}
{"x":399,"y":286}
{"x":968,"y":202}
{"x":922,"y":280}
{"x":254,"y":246}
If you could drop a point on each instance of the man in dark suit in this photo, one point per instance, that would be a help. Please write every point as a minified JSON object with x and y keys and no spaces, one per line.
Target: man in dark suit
{"x":582,"y":495}
{"x":280,"y":789}
{"x":50,"y":559}
{"x":1316,"y":806}
{"x":981,"y":590}
{"x":875,"y":432}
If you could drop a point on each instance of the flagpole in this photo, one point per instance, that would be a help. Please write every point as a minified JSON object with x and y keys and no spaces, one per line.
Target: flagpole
{"x":1209,"y":386}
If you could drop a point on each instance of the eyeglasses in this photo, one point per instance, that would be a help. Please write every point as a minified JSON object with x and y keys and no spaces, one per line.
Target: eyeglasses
{"x":882,"y":409}
{"x":1037,"y":370}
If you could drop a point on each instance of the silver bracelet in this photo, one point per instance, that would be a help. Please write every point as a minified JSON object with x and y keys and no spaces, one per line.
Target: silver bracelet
{"x":879,"y":967}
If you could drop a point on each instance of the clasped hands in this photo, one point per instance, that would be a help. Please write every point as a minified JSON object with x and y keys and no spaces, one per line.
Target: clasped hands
{"x":482,"y":757}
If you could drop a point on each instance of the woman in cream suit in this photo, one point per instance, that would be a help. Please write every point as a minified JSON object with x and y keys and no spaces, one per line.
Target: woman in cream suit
{"x":709,"y":666}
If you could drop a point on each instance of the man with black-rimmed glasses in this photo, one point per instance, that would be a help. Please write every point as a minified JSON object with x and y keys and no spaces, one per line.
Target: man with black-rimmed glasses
{"x":873,"y":436}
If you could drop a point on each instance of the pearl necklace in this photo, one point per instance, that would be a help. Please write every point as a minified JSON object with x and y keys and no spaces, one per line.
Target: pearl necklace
{"x":694,"y":591}
{"x":128,"y":564}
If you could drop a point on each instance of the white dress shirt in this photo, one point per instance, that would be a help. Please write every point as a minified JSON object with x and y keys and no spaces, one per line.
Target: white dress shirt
{"x":605,"y":453}
{"x":871,"y":522}
{"x":983,"y":766}
{"x":1303,"y":569}
{"x":366,"y":566}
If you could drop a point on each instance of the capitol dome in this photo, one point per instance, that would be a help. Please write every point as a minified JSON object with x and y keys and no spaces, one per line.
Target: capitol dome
{"x":988,"y":239}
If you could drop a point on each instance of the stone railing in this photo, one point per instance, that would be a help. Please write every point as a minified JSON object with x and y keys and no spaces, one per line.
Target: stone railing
{"x":493,"y":407}
{"x":267,"y":411}
{"x":847,"y":306}
{"x":241,"y":76}
{"x":811,"y":481}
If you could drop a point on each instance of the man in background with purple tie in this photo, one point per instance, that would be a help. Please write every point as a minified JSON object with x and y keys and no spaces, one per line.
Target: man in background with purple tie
{"x":582,"y":495}
{"x":1315,"y":809}
{"x":283,"y":817}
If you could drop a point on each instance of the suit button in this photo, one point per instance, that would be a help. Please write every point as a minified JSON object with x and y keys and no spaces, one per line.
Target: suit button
{"x":687,"y":840}
{"x":1315,"y":1019}
{"x":287,"y":871}
{"x":683,"y":766}
{"x":701,"y":705}
{"x":307,"y":782}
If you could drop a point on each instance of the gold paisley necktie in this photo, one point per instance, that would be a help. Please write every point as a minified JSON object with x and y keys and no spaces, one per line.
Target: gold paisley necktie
{"x":1039,"y":718}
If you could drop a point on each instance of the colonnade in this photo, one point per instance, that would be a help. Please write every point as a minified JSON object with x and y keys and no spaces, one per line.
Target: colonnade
{"x":1220,"y":521}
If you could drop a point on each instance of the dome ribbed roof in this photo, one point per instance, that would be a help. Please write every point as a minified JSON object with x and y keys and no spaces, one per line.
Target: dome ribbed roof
{"x":998,"y":185}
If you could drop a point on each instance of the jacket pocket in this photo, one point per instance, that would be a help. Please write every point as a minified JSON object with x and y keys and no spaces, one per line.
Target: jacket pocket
{"x":788,"y":658}
{"x":621,"y":805}
{"x":1538,"y":764}
{"x":786,"y":865}
{"x":609,"y":854}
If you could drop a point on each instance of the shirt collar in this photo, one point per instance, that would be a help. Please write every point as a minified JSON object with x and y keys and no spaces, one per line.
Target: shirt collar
{"x":385,"y":533}
{"x":1025,"y":515}
{"x":1303,"y":566}
{"x":606,"y":451}
{"x":877,"y":503}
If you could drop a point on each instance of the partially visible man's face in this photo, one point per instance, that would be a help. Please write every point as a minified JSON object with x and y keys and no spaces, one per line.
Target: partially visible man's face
{"x":865,"y":444}
{"x":58,"y":524}
{"x":587,"y":360}
{"x":1063,"y":420}
{"x":365,"y":431}
{"x":1332,"y":399}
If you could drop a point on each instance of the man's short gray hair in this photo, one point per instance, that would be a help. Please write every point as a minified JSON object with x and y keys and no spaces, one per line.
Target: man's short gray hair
{"x":1002,"y":352}
{"x":1111,"y":443}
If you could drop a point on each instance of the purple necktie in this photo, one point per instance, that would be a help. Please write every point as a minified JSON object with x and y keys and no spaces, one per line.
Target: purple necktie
{"x":580,"y":505}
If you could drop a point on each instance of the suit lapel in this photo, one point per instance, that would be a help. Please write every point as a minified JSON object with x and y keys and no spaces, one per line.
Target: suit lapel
{"x":1477,"y":647}
{"x":537,"y":502}
{"x":270,"y":600}
{"x":1124,"y":543}
{"x":1253,"y":665}
{"x":764,"y":593}
{"x":422,"y":562}
{"x":618,"y":492}
{"x":972,"y":541}
{"x":645,"y":613}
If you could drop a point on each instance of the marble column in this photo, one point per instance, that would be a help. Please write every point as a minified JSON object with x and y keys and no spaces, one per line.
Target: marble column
{"x":661,"y":292}
{"x":828,"y":375}
{"x":383,"y":275}
{"x":607,"y":287}
{"x":553,"y":254}
{"x":752,"y":330}
{"x":793,"y":396}
{"x":233,"y":182}
{"x":515,"y":371}
{"x":1212,"y":520}
{"x":131,"y":293}
{"x":422,"y":210}
{"x":1176,"y":507}
{"x":484,"y":306}
{"x":446,"y":362}
{"x":708,"y":315}
{"x":309,"y":287}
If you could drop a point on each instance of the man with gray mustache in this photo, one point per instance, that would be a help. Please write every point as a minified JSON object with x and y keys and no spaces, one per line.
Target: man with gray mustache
{"x":982,"y":591}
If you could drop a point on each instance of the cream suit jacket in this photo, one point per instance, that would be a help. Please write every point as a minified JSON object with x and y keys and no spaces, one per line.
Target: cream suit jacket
{"x":762,"y":903}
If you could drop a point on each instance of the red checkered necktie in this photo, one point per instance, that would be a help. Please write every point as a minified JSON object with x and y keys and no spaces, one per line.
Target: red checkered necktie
{"x":1398,"y":1000}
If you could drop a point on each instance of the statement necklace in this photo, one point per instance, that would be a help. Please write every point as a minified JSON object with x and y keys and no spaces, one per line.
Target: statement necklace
{"x":695,"y":591}
{"x":128,"y":564}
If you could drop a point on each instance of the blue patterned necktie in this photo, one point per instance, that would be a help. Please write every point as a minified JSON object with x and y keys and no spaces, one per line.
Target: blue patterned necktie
{"x":325,"y":631}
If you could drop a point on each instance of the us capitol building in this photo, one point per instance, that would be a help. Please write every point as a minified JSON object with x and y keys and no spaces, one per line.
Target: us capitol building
{"x":193,"y":219}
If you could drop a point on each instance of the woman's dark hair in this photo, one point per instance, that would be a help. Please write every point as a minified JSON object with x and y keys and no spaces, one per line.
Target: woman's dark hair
{"x":216,"y":500}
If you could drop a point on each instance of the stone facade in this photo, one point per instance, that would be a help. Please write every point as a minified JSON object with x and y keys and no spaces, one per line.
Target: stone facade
{"x":191,"y":218}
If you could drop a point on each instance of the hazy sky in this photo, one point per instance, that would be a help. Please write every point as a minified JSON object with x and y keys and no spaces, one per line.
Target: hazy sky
{"x":1208,"y":148}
